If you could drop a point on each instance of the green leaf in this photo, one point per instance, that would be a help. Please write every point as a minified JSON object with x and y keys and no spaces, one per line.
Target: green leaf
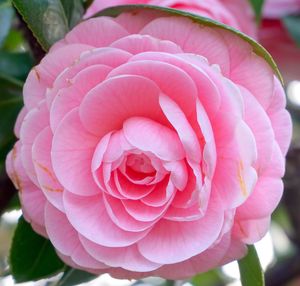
{"x":6,"y":16}
{"x":32,"y":257}
{"x":207,"y":279}
{"x":73,"y":277}
{"x":14,"y":41}
{"x":257,"y":6}
{"x":45,"y":18}
{"x":250,"y":269}
{"x":16,"y":65}
{"x":74,"y":11}
{"x":292,"y":23}
{"x":257,"y":48}
{"x":10,"y":105}
{"x":87,"y":3}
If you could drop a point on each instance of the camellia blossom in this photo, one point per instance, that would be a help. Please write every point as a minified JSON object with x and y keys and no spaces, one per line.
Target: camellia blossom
{"x":274,"y":9}
{"x":150,"y":145}
{"x":235,"y":13}
{"x":285,"y":52}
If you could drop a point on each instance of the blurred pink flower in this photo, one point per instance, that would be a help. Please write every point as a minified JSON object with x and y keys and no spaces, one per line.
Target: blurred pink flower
{"x":275,"y":9}
{"x":274,"y":36}
{"x":235,"y":13}
{"x":150,"y":145}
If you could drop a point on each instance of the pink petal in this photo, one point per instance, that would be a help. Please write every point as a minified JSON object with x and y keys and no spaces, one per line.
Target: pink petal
{"x":71,"y":96}
{"x":34,"y":122}
{"x":185,"y":132}
{"x":42,"y":76}
{"x":171,"y":80}
{"x":72,"y":151}
{"x":41,"y":154}
{"x":142,"y":212}
{"x":161,"y":141}
{"x":65,"y":239}
{"x":251,"y":231}
{"x":188,"y":238}
{"x":117,"y":99}
{"x":191,"y":38}
{"x":89,"y":217}
{"x":97,"y":32}
{"x":130,"y":190}
{"x":121,"y":218}
{"x":264,"y":199}
{"x":128,"y":257}
{"x":200,"y":263}
{"x":136,"y":44}
{"x":190,"y":64}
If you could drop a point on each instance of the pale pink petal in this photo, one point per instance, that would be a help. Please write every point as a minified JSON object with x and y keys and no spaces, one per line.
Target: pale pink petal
{"x":72,"y":151}
{"x":42,"y":76}
{"x":160,"y":195}
{"x":89,"y":217}
{"x":71,"y":96}
{"x":41,"y":154}
{"x":188,"y":238}
{"x":207,"y":89}
{"x":19,"y":121}
{"x":171,"y":80}
{"x":117,"y":99}
{"x":128,"y":257}
{"x":65,"y":239}
{"x":263,"y":200}
{"x":134,"y":24}
{"x":251,"y":231}
{"x":121,"y":218}
{"x":130,"y":190}
{"x":161,"y":141}
{"x":185,"y":132}
{"x":203,"y":262}
{"x":100,"y":56}
{"x":34,"y":122}
{"x":260,"y":83}
{"x":142,"y":212}
{"x":260,"y":125}
{"x":282,"y":126}
{"x":179,"y":173}
{"x":190,"y":37}
{"x":136,"y":44}
{"x":97,"y":32}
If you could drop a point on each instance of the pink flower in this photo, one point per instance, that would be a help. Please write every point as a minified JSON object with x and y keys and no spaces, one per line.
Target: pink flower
{"x":285,"y":51}
{"x":275,"y":9}
{"x":150,"y":145}
{"x":235,"y":13}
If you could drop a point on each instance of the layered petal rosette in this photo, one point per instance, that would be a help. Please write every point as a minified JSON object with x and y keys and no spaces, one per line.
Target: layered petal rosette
{"x":150,"y":144}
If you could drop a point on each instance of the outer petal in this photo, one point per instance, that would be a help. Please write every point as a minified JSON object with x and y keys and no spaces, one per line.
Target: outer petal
{"x":188,"y":238}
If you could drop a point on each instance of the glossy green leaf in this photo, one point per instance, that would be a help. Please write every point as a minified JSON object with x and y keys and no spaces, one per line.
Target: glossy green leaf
{"x":73,"y":277}
{"x":16,"y":65}
{"x":257,"y":6}
{"x":10,"y":105}
{"x":6,"y":16}
{"x":292,"y":23}
{"x":257,"y":48}
{"x":250,"y":269}
{"x":74,"y":11}
{"x":45,"y":18}
{"x":32,"y":257}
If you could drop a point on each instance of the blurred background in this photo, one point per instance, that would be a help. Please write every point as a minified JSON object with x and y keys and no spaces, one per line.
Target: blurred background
{"x":279,"y":250}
